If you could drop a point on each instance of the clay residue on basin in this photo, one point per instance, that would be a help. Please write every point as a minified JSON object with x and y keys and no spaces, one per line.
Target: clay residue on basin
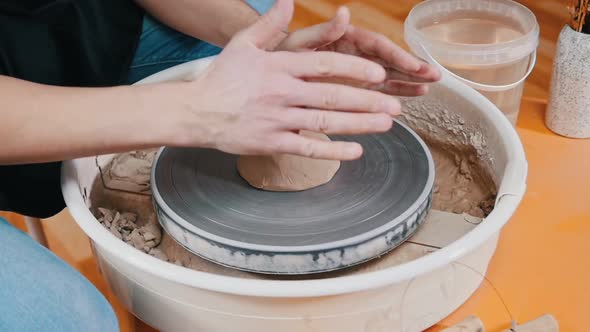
{"x":461,"y":186}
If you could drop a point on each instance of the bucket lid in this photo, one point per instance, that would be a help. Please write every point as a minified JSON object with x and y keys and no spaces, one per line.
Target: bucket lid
{"x":432,"y":11}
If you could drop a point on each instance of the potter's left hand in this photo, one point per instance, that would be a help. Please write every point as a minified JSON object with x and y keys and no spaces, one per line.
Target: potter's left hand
{"x":406,"y":75}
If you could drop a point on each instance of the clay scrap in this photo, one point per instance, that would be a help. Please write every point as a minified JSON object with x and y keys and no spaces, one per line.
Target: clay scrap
{"x":545,"y":323}
{"x":124,"y":225}
{"x":130,"y":171}
{"x":469,"y":324}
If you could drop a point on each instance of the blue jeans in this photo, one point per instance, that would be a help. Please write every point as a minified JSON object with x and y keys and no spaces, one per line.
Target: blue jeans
{"x":39,"y":291}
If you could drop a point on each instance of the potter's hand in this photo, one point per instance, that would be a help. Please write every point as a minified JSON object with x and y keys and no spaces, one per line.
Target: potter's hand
{"x":406,"y":75}
{"x":253,"y":101}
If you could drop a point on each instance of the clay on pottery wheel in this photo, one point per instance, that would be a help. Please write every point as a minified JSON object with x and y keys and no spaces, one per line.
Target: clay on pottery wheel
{"x":284,"y":172}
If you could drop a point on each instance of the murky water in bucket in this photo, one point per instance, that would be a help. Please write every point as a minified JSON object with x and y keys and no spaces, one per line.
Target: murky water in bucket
{"x":490,"y":45}
{"x":477,"y":29}
{"x":473,"y":28}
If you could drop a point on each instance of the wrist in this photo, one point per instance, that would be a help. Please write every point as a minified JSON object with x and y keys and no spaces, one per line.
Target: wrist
{"x":160,"y":116}
{"x":174,"y":115}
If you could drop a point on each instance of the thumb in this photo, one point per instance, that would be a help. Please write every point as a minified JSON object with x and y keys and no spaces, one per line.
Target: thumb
{"x":271,"y":25}
{"x":319,"y":35}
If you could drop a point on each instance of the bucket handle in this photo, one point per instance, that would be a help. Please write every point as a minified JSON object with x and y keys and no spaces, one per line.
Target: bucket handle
{"x":481,"y":86}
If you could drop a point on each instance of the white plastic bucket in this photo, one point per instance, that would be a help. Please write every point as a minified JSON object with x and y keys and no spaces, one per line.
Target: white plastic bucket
{"x":490,"y":45}
{"x":409,"y":297}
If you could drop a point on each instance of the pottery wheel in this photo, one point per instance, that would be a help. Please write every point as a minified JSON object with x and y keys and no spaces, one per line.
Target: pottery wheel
{"x":371,"y":206}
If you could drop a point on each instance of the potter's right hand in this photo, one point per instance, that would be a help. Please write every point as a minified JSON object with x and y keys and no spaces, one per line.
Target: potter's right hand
{"x":253,"y":101}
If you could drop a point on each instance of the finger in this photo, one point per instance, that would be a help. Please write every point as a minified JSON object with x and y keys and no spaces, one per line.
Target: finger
{"x":291,"y":143}
{"x":381,"y":46}
{"x":342,"y":123}
{"x":394,"y":75}
{"x":273,"y":23}
{"x":405,"y":89}
{"x":318,"y":35}
{"x":329,"y":96}
{"x":331,"y":64}
{"x":428,"y":73}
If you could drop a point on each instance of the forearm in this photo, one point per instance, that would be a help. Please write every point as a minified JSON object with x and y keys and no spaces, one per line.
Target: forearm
{"x":41,"y":123}
{"x":214,"y":21}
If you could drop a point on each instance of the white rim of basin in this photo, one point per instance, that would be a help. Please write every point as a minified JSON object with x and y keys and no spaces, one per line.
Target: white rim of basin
{"x":510,"y":193}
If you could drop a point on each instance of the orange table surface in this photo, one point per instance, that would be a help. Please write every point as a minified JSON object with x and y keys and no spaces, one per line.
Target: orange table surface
{"x":542,"y":264}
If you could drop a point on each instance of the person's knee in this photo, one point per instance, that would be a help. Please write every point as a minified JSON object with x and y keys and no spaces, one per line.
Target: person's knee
{"x":42,"y":293}
{"x":89,"y":309}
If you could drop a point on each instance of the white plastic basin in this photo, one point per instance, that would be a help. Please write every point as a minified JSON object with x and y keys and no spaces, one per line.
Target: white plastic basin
{"x":408,"y":297}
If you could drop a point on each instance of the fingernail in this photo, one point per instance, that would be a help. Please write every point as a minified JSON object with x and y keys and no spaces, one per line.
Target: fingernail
{"x":391,"y":106}
{"x":374,"y":74}
{"x":424,"y":89}
{"x":381,"y":123}
{"x":353,"y":151}
{"x":417,"y":66}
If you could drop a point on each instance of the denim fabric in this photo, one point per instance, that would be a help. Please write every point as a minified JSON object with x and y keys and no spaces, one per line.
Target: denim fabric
{"x":40,"y":292}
